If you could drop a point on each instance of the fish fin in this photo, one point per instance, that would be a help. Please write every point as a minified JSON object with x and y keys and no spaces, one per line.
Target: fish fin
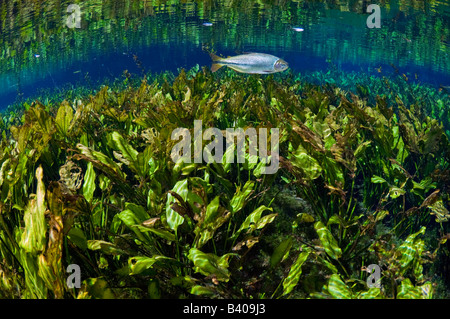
{"x":215,"y":67}
{"x":215,"y":57}
{"x":236,"y":69}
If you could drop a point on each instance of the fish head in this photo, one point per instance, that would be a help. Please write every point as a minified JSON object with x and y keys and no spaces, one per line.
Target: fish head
{"x":280,"y":65}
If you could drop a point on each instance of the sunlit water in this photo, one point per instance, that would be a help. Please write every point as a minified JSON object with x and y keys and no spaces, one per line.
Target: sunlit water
{"x":40,"y":51}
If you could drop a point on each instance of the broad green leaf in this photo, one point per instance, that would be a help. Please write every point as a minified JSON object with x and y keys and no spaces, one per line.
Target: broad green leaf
{"x":124,"y":147}
{"x":329,"y":265}
{"x":295,"y":272}
{"x":395,"y":192}
{"x":338,"y":289}
{"x":64,"y":118}
{"x":173,"y":218}
{"x":263,"y":221}
{"x":130,"y":219}
{"x":103,"y":182}
{"x":97,"y":288}
{"x":211,"y":210}
{"x":253,"y":219}
{"x":210,"y":264}
{"x":76,"y":235}
{"x":104,"y":246}
{"x":378,"y":180}
{"x":139,"y":211}
{"x":440,"y":211}
{"x":215,"y":217}
{"x":328,"y":242}
{"x":140,"y":264}
{"x":408,"y":291}
{"x":302,"y":160}
{"x":158,"y":232}
{"x":361,"y":148}
{"x":145,"y":165}
{"x":372,"y":293}
{"x":411,"y":251}
{"x":304,"y":218}
{"x":102,"y":162}
{"x":241,"y":196}
{"x":281,"y":252}
{"x":89,"y":182}
{"x":203,"y":291}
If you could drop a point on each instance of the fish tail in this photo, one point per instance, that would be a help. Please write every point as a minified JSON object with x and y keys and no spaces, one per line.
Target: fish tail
{"x":214,"y":57}
{"x":215,"y":67}
{"x":216,"y":62}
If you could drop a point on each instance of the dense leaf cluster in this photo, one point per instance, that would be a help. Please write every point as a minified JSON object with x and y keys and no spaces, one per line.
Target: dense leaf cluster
{"x":91,"y":182}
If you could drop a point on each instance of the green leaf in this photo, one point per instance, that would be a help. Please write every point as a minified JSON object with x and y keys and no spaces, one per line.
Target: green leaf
{"x":64,"y":118}
{"x":372,"y":293}
{"x":98,"y":288}
{"x":395,"y":192}
{"x":89,"y":183}
{"x":76,"y":235}
{"x":328,"y":242}
{"x":408,"y":291}
{"x":304,"y":218}
{"x":122,"y":145}
{"x":102,"y":162}
{"x":440,"y":211}
{"x":130,"y":219}
{"x":173,"y":218}
{"x":338,"y":289}
{"x":411,"y":249}
{"x":211,"y":210}
{"x":281,"y":252}
{"x":140,"y":264}
{"x":241,"y":196}
{"x":203,"y":291}
{"x":145,"y":165}
{"x":378,"y":180}
{"x":34,"y":236}
{"x":295,"y":272}
{"x":138,"y":211}
{"x":104,"y":246}
{"x":210,"y":264}
{"x":253,"y":219}
{"x":215,"y":217}
{"x":158,"y":232}
{"x":302,"y":160}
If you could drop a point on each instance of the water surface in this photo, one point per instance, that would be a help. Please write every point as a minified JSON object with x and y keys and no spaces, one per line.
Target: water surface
{"x":39,"y":51}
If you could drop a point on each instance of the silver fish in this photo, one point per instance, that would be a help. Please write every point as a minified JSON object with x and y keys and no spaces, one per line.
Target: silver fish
{"x":252,"y":63}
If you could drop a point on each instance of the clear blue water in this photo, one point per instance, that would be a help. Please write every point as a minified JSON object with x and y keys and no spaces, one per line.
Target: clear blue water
{"x":41,"y":54}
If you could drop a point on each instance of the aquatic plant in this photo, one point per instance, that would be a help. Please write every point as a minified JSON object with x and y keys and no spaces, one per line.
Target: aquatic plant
{"x":91,"y":182}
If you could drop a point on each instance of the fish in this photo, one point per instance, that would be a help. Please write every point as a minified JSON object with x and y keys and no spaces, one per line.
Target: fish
{"x":298,"y":29}
{"x":445,"y":88}
{"x":251,"y":63}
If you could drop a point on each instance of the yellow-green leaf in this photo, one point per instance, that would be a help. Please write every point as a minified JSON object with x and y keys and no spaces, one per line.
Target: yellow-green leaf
{"x":89,"y":182}
{"x":33,"y":237}
{"x":338,"y":289}
{"x":329,"y":244}
{"x":295,"y":272}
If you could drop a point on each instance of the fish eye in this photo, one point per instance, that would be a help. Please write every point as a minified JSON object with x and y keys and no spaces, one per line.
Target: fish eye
{"x":280,"y":64}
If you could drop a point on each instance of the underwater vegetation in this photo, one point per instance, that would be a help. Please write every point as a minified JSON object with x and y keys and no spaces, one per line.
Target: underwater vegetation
{"x":364,"y":179}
